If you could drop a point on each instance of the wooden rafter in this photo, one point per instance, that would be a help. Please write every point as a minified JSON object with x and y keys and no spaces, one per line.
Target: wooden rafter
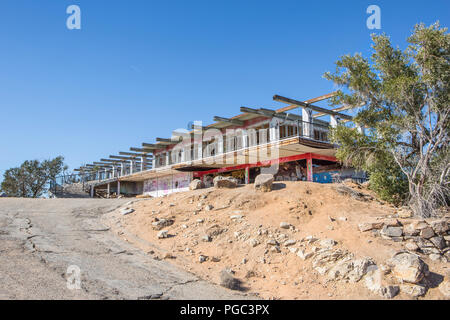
{"x":313,"y":100}
{"x":311,"y":106}
{"x":232,"y":121}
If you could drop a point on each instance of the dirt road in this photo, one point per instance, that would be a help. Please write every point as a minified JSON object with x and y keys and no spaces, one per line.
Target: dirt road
{"x":41,"y":238}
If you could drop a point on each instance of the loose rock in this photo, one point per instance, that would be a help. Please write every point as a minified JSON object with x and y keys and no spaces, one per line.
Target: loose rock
{"x":408,"y":267}
{"x":196,"y":184}
{"x":264,"y":182}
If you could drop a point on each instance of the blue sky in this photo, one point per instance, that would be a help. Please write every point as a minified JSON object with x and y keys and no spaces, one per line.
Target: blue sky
{"x":139,"y":69}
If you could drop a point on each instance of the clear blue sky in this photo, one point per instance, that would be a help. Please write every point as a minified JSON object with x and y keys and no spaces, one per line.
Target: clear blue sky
{"x":139,"y":69}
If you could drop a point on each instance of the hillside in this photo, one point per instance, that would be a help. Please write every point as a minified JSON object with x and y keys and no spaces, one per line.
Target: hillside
{"x":300,"y":241}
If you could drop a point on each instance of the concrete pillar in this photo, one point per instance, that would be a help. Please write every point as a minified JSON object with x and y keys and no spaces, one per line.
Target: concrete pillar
{"x":361,"y":129}
{"x":334,"y":121}
{"x":309,"y":169}
{"x":307,"y":122}
{"x":113,"y":171}
{"x":167,"y":158}
{"x":131,"y":166}
{"x":121,"y":169}
{"x":244,"y":139}
{"x":108,"y":189}
{"x":92,"y":191}
{"x":220,"y":145}
{"x":274,"y":129}
{"x":154,"y":162}
{"x":106,"y":173}
{"x":142,"y":163}
{"x":199,"y":150}
{"x":118,"y":188}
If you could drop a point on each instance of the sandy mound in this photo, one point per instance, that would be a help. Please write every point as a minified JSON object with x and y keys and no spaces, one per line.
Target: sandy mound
{"x":258,"y":236}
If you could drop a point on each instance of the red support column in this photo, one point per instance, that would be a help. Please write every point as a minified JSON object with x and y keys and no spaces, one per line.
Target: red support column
{"x":309,"y":168}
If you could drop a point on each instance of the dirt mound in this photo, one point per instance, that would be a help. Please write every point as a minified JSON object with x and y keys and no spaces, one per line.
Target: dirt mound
{"x":270,"y":241}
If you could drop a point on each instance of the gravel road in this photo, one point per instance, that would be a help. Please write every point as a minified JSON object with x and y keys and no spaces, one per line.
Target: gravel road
{"x":41,"y":238}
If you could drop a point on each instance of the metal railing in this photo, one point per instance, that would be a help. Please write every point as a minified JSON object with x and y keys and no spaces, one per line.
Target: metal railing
{"x":313,"y":131}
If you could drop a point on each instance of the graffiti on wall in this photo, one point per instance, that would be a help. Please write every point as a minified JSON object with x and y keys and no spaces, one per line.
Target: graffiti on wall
{"x":167,"y":184}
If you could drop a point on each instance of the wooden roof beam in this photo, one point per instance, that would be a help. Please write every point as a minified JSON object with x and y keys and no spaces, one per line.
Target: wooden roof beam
{"x":232,"y":121}
{"x":122,"y":158}
{"x":140,"y":150}
{"x":310,"y":106}
{"x":143,"y":154}
{"x":342,"y":108}
{"x":165,"y":141}
{"x":313,"y":100}
{"x":272,"y":113}
{"x":150,"y":146}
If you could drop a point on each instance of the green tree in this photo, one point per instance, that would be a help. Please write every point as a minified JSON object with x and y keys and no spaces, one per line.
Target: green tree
{"x":31,"y":179}
{"x":406,"y":110}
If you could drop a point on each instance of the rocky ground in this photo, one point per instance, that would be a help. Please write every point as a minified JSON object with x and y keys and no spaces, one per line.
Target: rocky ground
{"x":299,"y":241}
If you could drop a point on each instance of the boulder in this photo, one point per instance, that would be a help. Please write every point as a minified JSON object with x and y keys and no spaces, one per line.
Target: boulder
{"x":389,"y":292}
{"x":327,"y":243}
{"x":392,"y":231}
{"x":228,"y":281}
{"x":360,"y":268}
{"x":367,"y":226}
{"x":304,"y":255}
{"x":404,"y":213}
{"x":424,"y":243}
{"x":410,"y":230}
{"x":340,"y":270}
{"x":435,"y":257}
{"x":161,"y":223}
{"x":440,"y":226}
{"x":408,"y":267}
{"x":444,"y":287}
{"x":264,"y":182}
{"x":419,"y":224}
{"x":284,"y":225}
{"x":427,"y":232}
{"x":413,"y":290}
{"x":291,"y":242}
{"x":438,"y":242}
{"x":206,"y":238}
{"x":196,"y":184}
{"x":391,"y":222}
{"x":411,"y":246}
{"x":344,"y":190}
{"x":253,"y":242}
{"x":225,"y":182}
{"x":126,"y":211}
{"x":215,"y":230}
{"x":163,"y":234}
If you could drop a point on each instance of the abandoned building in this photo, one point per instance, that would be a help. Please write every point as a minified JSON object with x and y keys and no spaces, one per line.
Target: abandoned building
{"x":291,"y":146}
